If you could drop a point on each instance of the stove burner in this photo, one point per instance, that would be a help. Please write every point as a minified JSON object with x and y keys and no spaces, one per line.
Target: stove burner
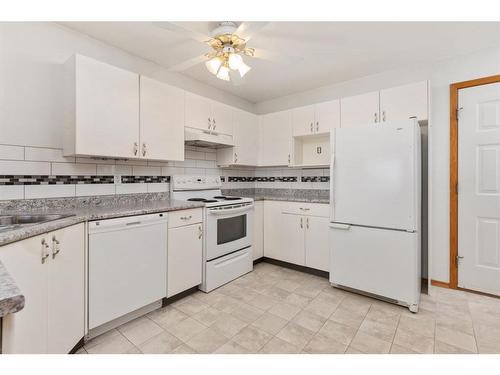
{"x":227,"y":198}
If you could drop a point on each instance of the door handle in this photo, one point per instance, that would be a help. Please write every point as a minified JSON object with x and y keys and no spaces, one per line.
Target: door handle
{"x":144,"y":149}
{"x":136,"y":148}
{"x":302,"y":222}
{"x":376,"y":117}
{"x":200,"y":232}
{"x":45,"y":251}
{"x":317,"y":126}
{"x":307,"y":223}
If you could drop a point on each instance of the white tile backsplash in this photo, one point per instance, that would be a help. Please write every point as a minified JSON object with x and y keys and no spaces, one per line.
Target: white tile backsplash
{"x":46,"y":154}
{"x":11,"y":192}
{"x":11,"y":167}
{"x":146,"y":171}
{"x":97,"y":189}
{"x":11,"y":152}
{"x":131,"y":188}
{"x":73,"y":169}
{"x":48,"y":191}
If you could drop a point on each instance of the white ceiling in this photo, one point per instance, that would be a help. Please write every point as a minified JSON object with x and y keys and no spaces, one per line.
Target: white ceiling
{"x":328,"y":52}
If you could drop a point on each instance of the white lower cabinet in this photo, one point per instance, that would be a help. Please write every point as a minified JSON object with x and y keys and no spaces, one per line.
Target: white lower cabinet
{"x":185,"y":249}
{"x":258,"y":230}
{"x":297,"y":233}
{"x":50,"y":271}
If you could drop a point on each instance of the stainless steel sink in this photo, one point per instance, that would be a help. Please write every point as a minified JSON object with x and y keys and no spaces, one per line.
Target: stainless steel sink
{"x":17,"y":221}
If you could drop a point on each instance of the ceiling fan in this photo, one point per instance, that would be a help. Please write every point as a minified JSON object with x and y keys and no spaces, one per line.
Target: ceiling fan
{"x":228,"y":43}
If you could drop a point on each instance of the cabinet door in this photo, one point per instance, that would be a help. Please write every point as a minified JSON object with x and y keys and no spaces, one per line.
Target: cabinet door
{"x":292,"y":241}
{"x":403,"y":102}
{"x":246,"y":138}
{"x":327,"y":116}
{"x":184,"y":258}
{"x":317,"y":243}
{"x":222,"y":116}
{"x":197,"y":111}
{"x":26,"y":330}
{"x":303,"y":120}
{"x":66,"y":291}
{"x":107,"y":109}
{"x":273,"y":234}
{"x":258,"y":230}
{"x":275,"y":139}
{"x":162,"y":121}
{"x":360,"y":110}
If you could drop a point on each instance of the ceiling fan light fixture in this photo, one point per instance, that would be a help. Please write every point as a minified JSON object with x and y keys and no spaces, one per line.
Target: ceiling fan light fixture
{"x":213,"y":65}
{"x":223,"y":73}
{"x":243,"y":69}
{"x":235,"y":61}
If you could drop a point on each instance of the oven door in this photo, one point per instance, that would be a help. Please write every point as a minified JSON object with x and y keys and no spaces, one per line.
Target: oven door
{"x":229,"y":228}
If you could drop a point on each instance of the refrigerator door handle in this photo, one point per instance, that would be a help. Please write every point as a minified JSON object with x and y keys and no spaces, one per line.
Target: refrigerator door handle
{"x":340,"y":226}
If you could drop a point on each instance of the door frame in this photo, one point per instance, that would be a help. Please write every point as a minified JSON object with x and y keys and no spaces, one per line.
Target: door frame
{"x":454,"y":89}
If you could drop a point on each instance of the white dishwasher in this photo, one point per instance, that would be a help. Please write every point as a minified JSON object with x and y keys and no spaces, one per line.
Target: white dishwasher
{"x":127,"y":265}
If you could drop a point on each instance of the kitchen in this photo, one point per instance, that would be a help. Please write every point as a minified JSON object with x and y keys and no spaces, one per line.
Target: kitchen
{"x":148,"y":205}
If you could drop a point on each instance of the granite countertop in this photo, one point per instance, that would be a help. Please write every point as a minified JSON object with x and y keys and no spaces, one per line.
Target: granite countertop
{"x":11,"y":299}
{"x":290,"y":195}
{"x":87,"y":213}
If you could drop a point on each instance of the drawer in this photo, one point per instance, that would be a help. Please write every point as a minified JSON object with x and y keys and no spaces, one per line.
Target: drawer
{"x":185,"y":217}
{"x":307,"y":209}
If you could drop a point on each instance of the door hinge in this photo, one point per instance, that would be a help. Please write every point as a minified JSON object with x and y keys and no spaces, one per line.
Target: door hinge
{"x":458,"y":258}
{"x":457,"y":112}
{"x":456,"y":188}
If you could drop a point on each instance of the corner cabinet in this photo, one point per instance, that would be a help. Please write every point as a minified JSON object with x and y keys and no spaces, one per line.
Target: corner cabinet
{"x":50,"y":271}
{"x":111,"y":112}
{"x":246,"y":141}
{"x":185,"y":250}
{"x":275,"y":139}
{"x":299,"y":234}
{"x":209,"y":115}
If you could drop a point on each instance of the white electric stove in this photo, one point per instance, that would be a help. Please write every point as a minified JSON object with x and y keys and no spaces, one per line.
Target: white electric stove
{"x":228,"y":228}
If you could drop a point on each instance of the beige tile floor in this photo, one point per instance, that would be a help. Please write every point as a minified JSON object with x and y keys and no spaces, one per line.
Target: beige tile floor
{"x":277,"y":310}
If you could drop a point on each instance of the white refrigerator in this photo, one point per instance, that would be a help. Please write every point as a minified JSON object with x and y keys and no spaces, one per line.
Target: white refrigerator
{"x":375,"y":211}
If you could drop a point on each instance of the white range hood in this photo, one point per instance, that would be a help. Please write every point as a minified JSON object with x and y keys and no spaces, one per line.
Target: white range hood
{"x":202,"y":138}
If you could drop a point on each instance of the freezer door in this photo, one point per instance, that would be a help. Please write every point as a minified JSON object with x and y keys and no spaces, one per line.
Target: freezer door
{"x":378,"y":261}
{"x":376,"y":175}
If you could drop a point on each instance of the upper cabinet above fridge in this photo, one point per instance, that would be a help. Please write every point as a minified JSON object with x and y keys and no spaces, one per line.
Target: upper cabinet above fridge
{"x":111,"y":112}
{"x":387,"y":105}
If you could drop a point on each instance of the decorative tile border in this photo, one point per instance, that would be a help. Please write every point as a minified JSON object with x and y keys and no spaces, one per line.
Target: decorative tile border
{"x":144,"y":179}
{"x":9,"y":180}
{"x":315,"y":179}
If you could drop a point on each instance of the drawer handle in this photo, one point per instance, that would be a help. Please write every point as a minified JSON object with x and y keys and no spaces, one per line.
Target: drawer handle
{"x":304,"y":208}
{"x":133,"y":223}
{"x":187,"y":217}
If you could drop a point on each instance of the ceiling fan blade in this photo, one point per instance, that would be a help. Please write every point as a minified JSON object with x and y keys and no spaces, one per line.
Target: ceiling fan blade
{"x":247,"y":30}
{"x":188,"y":63}
{"x":266,"y":54}
{"x":184,"y":31}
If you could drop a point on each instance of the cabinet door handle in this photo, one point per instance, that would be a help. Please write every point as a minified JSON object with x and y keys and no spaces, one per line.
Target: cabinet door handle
{"x":317,"y":126}
{"x":383,"y":116}
{"x":186,"y":217}
{"x":235,"y":157}
{"x":200,"y":232}
{"x":302,"y":222}
{"x":376,"y":117}
{"x":45,"y":251}
{"x":144,"y":150}
{"x":209,"y":123}
{"x":288,"y":158}
{"x":136,"y":148}
{"x":307,"y":223}
{"x":55,"y":247}
{"x":311,"y":127}
{"x":304,"y":208}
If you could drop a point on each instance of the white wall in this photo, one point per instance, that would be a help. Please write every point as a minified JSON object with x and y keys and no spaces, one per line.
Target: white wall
{"x":442,"y":74}
{"x":31,"y":92}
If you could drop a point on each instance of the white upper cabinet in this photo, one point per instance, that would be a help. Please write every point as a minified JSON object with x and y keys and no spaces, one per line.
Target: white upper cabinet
{"x":205,"y":114}
{"x":111,"y":112}
{"x":246,"y":140}
{"x":404,"y":102}
{"x":161,"y":121}
{"x":102,"y":109}
{"x":360,"y":109}
{"x":316,"y":119}
{"x":275,"y":138}
{"x":222,"y":117}
{"x":327,"y":116}
{"x":303,"y":120}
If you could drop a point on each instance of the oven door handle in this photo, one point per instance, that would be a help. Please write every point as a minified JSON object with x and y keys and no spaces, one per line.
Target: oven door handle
{"x":230,"y":210}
